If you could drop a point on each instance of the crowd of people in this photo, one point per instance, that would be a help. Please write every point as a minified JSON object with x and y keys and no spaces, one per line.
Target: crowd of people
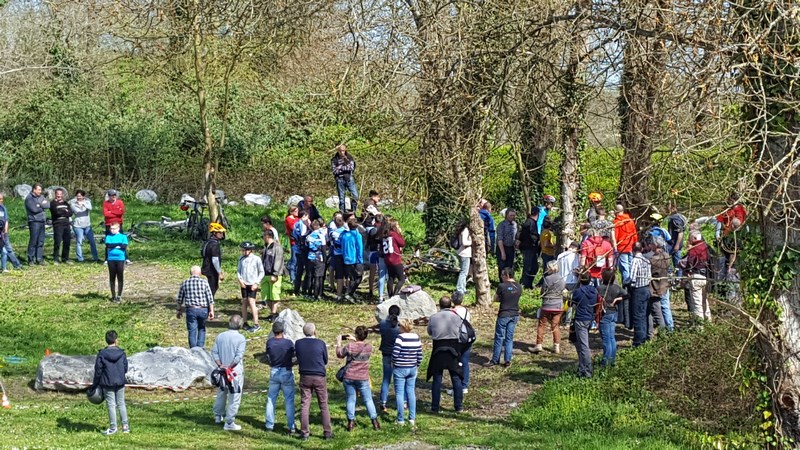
{"x":620,"y":271}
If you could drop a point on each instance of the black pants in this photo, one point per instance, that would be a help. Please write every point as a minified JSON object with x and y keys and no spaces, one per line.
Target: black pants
{"x":353,"y":273}
{"x":315,"y":273}
{"x":36,"y":242}
{"x":116,"y":269}
{"x":509,"y":261}
{"x":213,"y":281}
{"x":396,"y":277}
{"x":62,"y":236}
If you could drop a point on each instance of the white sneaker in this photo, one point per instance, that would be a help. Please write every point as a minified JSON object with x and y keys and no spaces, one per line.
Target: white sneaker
{"x":412,"y":423}
{"x":465,"y":391}
{"x":448,"y":392}
{"x":217,"y":419}
{"x":232,"y":427}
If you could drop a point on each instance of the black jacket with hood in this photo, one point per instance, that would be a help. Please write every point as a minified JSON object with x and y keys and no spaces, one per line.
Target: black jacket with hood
{"x":110,"y":367}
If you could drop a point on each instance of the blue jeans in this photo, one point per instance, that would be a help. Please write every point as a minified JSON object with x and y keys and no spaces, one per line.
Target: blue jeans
{"x":341,"y":187}
{"x":8,"y":254}
{"x":624,"y":261}
{"x":196,"y":324}
{"x":80,"y":235}
{"x":461,"y":284}
{"x":291,"y":265}
{"x":504,"y":337}
{"x":666,"y":311}
{"x":362,"y":386}
{"x":115,"y":399}
{"x":382,"y":274}
{"x":387,"y":379}
{"x":582,"y":347}
{"x":640,"y":298}
{"x":281,"y":379}
{"x":405,"y":381}
{"x":436,"y":390}
{"x":36,"y":242}
{"x":607,"y":328}
{"x":676,"y":258}
{"x":465,"y":363}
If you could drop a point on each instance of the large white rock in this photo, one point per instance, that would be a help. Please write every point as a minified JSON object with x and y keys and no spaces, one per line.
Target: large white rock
{"x":257,"y":199}
{"x":187,"y":198}
{"x":50,"y":192}
{"x":333,"y":202}
{"x":176,"y":367}
{"x":420,"y":207}
{"x":146,"y":196}
{"x":294,"y":200}
{"x":22,"y":190}
{"x":414,"y":306}
{"x":293,"y":324}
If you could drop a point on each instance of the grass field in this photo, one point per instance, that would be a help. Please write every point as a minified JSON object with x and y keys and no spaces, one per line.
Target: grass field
{"x":66,"y":309}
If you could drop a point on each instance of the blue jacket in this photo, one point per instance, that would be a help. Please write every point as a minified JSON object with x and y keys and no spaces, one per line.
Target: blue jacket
{"x":336,"y":240}
{"x":352,"y":247}
{"x":488,"y":228}
{"x":116,"y":247}
{"x":315,"y":242}
{"x":584,"y":299}
{"x":110,"y":367}
{"x":543,"y":213}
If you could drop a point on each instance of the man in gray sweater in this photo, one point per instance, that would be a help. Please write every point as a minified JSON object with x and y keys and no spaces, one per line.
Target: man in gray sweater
{"x":444,"y":328}
{"x":227,"y":353}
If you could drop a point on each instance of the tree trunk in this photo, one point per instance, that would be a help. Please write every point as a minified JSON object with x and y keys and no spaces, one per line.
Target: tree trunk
{"x":209,"y":166}
{"x":644,"y":60}
{"x":480,"y":271}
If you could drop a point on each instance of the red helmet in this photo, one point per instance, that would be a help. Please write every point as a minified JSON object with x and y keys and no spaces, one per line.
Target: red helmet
{"x":549,"y":199}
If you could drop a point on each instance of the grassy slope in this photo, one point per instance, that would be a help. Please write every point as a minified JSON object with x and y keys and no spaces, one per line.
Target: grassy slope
{"x":65,"y":309}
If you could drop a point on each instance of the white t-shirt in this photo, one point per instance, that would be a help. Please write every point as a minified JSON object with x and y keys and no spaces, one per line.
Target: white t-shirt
{"x":463,"y":313}
{"x":568,"y":261}
{"x":465,"y":250}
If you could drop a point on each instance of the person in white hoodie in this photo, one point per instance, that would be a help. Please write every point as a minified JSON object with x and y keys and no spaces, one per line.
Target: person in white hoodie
{"x":250,"y":272}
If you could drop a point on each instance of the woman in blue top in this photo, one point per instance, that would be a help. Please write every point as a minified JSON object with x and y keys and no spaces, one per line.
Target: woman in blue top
{"x":584,"y":300}
{"x":389,"y":329}
{"x":116,"y":255}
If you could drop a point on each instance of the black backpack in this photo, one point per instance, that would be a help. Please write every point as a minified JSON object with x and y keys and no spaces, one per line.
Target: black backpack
{"x":455,"y":239}
{"x":466,"y":334}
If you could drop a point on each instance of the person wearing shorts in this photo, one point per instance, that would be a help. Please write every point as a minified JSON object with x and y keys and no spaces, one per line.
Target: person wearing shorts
{"x":250,"y":272}
{"x":272,"y":260}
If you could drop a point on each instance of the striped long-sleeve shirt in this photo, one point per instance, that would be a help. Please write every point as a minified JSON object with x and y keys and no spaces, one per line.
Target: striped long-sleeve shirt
{"x":407,"y":351}
{"x":640,"y":271}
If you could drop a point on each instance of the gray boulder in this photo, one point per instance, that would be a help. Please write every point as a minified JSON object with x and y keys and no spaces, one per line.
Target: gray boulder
{"x":420,"y":207}
{"x":220,"y":194}
{"x":333,"y":202}
{"x":385,"y":203}
{"x":146,"y":196}
{"x":171,"y":366}
{"x":51,"y":192}
{"x":22,"y":190}
{"x":257,"y":199}
{"x":176,"y":367}
{"x":232,"y":203}
{"x":419,"y":304}
{"x":293,"y":324}
{"x":294,"y":200}
{"x":187,"y":198}
{"x":65,"y":373}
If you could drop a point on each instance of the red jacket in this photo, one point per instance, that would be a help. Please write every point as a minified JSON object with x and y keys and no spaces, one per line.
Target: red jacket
{"x":736,"y":211}
{"x":625,"y":233}
{"x":113,"y":212}
{"x":599,"y":255}
{"x":393,"y":249}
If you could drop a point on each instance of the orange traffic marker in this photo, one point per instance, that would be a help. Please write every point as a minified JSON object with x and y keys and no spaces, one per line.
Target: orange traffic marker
{"x":47,"y":352}
{"x":6,"y":403}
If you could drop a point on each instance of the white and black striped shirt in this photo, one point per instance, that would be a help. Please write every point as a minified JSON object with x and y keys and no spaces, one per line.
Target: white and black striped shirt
{"x":407,"y":351}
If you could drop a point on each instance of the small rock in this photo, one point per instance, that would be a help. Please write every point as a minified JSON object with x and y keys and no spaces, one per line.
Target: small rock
{"x":385,"y":203}
{"x":146,"y":196}
{"x":22,"y":190}
{"x":420,"y":207}
{"x":187,"y":198}
{"x":333,"y":202}
{"x":294,"y":200}
{"x":51,"y":192}
{"x":257,"y":199}
{"x":232,"y":203}
{"x":220,"y":195}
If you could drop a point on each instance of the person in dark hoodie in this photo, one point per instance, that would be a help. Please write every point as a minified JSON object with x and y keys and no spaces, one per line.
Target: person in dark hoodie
{"x":60,"y":212}
{"x":110,"y":368}
{"x":444,"y":328}
{"x":343,"y":165}
{"x":35,"y":204}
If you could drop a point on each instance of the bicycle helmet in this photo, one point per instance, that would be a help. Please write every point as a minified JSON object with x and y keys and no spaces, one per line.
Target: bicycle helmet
{"x":215,"y":227}
{"x":656,"y":216}
{"x":595,"y":197}
{"x":247,"y":245}
{"x":549,"y":199}
{"x":95,"y":395}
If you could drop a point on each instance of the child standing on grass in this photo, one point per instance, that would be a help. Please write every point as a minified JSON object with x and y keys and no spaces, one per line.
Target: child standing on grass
{"x":250,"y":272}
{"x":110,"y":368}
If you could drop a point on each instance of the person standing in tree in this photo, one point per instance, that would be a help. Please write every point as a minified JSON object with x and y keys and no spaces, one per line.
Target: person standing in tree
{"x":35,"y":205}
{"x":212,"y":256}
{"x":528,"y":239}
{"x":506,"y":242}
{"x":344,"y":166}
{"x":82,"y":225}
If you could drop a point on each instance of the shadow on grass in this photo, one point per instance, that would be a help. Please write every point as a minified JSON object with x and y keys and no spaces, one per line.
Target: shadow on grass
{"x":541,"y":371}
{"x":69,"y":425}
{"x":91,"y":296}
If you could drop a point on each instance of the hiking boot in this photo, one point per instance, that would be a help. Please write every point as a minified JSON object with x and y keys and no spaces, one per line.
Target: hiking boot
{"x":351,"y":424}
{"x":556,"y":348}
{"x":233,"y":426}
{"x":109,"y":432}
{"x":537,"y":348}
{"x":507,"y":364}
{"x":413,"y":424}
{"x":327,"y":436}
{"x":489,"y":364}
{"x":376,"y":425}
